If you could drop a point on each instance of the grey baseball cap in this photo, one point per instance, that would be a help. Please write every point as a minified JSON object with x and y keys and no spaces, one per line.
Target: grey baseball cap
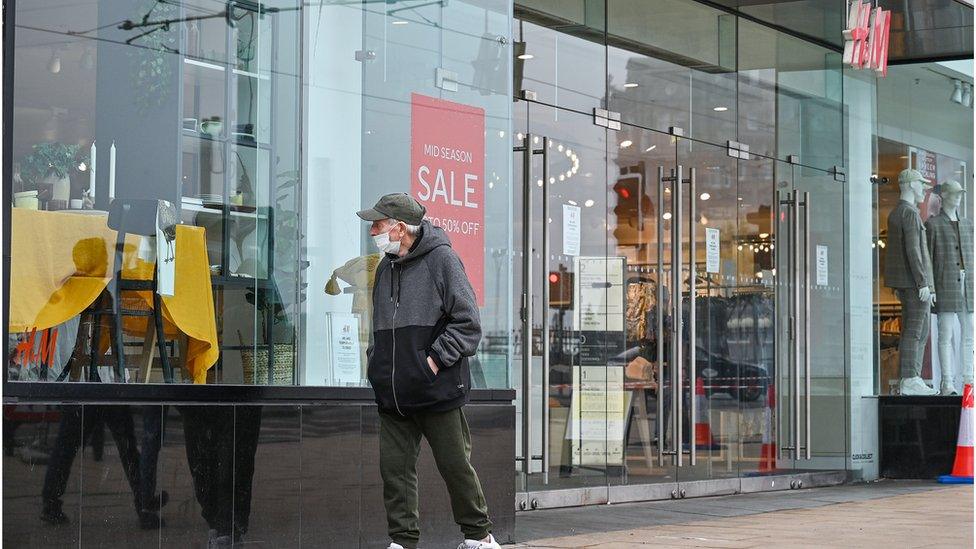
{"x":909,"y":175}
{"x":399,"y":206}
{"x":950,"y":187}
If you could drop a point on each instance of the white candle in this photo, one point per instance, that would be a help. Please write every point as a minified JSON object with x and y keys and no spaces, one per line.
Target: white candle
{"x":111,"y":172}
{"x":91,"y":170}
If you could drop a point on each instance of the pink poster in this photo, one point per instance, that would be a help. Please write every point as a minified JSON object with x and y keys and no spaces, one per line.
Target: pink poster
{"x":447,"y":166}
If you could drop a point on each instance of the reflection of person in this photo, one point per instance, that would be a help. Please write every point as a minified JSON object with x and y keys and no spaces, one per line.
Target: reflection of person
{"x":74,"y":429}
{"x":908,"y":269}
{"x":359,"y":273}
{"x":950,"y":240}
{"x":221,"y":442}
{"x":425,"y":326}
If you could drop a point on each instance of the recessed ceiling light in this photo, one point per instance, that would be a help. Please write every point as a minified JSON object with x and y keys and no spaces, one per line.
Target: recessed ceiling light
{"x":704,"y":196}
{"x":626,"y":143}
{"x":399,"y":22}
{"x":631,"y":85}
{"x":589,"y":203}
{"x":667,"y":215}
{"x":651,"y":148}
{"x":720,"y":109}
{"x":526,"y":56}
{"x":573,"y":202}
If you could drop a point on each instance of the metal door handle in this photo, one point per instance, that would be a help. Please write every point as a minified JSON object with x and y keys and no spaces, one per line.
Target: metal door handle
{"x":545,"y":308}
{"x":527,"y":312}
{"x":526,"y":149}
{"x":795,"y":260}
{"x":692,"y":343}
{"x":660,"y":316}
{"x":677,"y":324}
{"x":806,"y":314}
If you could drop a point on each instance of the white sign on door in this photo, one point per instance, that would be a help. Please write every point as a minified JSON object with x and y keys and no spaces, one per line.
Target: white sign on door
{"x":822,"y":265}
{"x":713,"y":250}
{"x":571,"y":230}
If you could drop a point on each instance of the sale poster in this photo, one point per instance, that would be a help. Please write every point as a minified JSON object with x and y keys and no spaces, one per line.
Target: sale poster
{"x":447,"y":166}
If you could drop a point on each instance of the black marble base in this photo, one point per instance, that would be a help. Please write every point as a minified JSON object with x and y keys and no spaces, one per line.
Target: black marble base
{"x":918,"y":435}
{"x":275,"y":474}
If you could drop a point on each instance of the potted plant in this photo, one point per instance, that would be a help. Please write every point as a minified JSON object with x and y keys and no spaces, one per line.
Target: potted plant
{"x":51,"y":164}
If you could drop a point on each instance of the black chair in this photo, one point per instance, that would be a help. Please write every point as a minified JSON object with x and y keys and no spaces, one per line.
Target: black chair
{"x":128,"y":216}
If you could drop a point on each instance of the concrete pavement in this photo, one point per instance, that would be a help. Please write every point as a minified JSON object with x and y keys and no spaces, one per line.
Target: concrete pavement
{"x":882,"y":514}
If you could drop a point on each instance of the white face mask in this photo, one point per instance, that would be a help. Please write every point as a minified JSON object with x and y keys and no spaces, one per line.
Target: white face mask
{"x":384,"y":243}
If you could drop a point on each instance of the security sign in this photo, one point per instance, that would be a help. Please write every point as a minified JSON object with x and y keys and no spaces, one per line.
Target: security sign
{"x":447,"y":166}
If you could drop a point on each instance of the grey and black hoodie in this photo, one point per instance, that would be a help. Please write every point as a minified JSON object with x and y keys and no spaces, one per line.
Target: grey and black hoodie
{"x":423,"y":305}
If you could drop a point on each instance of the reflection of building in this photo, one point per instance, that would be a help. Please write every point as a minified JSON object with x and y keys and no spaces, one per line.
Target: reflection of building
{"x":724,"y":175}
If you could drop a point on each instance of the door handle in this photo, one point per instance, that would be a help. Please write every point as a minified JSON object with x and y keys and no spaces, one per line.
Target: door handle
{"x":527,"y":339}
{"x":545,"y":307}
{"x":660,"y":316}
{"x":806,"y":318}
{"x":692,"y":290}
{"x":795,"y":260}
{"x":677,"y":324}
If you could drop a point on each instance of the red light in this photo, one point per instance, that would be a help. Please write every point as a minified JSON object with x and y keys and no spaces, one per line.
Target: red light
{"x":553,"y":278}
{"x":782,"y":216}
{"x":624,"y":193}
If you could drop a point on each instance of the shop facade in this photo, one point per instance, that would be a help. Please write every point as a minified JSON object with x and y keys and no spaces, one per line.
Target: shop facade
{"x":674,"y":221}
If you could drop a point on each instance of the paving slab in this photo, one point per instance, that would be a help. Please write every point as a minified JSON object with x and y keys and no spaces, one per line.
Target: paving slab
{"x":886,"y":514}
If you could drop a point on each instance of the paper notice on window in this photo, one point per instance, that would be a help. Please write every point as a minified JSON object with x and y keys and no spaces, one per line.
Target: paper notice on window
{"x":571,"y":230}
{"x":822,"y":267}
{"x":713,"y":250}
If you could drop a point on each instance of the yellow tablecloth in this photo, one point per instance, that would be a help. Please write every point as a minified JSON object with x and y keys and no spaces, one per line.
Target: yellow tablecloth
{"x":59,"y":263}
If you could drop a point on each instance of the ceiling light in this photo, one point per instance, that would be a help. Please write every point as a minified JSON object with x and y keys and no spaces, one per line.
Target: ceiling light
{"x":956,"y":93}
{"x":589,"y":203}
{"x":501,"y":133}
{"x":399,"y":22}
{"x":704,"y":196}
{"x":763,"y":235}
{"x":631,"y":85}
{"x":967,"y":94}
{"x":82,"y":167}
{"x":626,"y":143}
{"x":651,"y":148}
{"x":54,"y":65}
{"x":572,"y":202}
{"x":720,"y":109}
{"x":666,"y":216}
{"x":526,"y":56}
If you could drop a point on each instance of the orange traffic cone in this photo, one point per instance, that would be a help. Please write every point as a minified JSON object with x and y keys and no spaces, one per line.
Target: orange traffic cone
{"x":703,"y":429}
{"x":767,"y":455}
{"x":962,"y":469}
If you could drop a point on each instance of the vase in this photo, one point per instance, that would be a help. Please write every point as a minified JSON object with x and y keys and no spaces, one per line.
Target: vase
{"x":60,"y":187}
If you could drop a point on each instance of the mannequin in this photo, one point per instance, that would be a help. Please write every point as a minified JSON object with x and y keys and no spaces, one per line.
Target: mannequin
{"x":950,"y":241}
{"x":908,"y":270}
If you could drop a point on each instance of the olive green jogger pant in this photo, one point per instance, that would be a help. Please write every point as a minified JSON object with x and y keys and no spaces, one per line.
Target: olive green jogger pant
{"x":450,"y":442}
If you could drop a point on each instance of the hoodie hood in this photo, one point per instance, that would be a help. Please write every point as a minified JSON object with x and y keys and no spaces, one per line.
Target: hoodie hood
{"x":431,"y":237}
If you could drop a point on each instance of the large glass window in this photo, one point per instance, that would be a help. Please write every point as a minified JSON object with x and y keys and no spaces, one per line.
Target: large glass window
{"x":925,"y":125}
{"x":186,"y":177}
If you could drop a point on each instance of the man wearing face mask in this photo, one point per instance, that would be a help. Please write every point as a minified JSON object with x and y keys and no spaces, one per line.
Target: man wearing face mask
{"x":425,"y":326}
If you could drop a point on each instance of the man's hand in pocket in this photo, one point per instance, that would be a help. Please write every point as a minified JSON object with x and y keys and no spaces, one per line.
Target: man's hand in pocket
{"x":433,"y":365}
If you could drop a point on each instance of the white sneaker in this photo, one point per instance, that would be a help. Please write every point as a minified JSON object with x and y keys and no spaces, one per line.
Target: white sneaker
{"x":395,"y":546}
{"x":914,"y":386}
{"x":475,"y":544}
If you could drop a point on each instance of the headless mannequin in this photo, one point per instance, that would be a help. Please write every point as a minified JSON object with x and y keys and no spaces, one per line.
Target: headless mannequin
{"x":950,"y":207}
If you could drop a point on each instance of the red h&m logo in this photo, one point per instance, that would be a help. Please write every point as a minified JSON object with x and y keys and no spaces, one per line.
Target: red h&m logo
{"x":866,"y":37}
{"x":25,"y":354}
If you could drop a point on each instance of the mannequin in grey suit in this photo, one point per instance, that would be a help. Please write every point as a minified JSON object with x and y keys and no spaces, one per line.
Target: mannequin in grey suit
{"x":908,"y":270}
{"x":950,"y":239}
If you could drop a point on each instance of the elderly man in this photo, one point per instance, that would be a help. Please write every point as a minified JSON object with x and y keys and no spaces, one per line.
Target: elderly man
{"x":425,"y":326}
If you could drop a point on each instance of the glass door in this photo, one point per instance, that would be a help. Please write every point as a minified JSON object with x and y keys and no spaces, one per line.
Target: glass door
{"x":811,"y":337}
{"x":570,"y":298}
{"x":710,"y":376}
